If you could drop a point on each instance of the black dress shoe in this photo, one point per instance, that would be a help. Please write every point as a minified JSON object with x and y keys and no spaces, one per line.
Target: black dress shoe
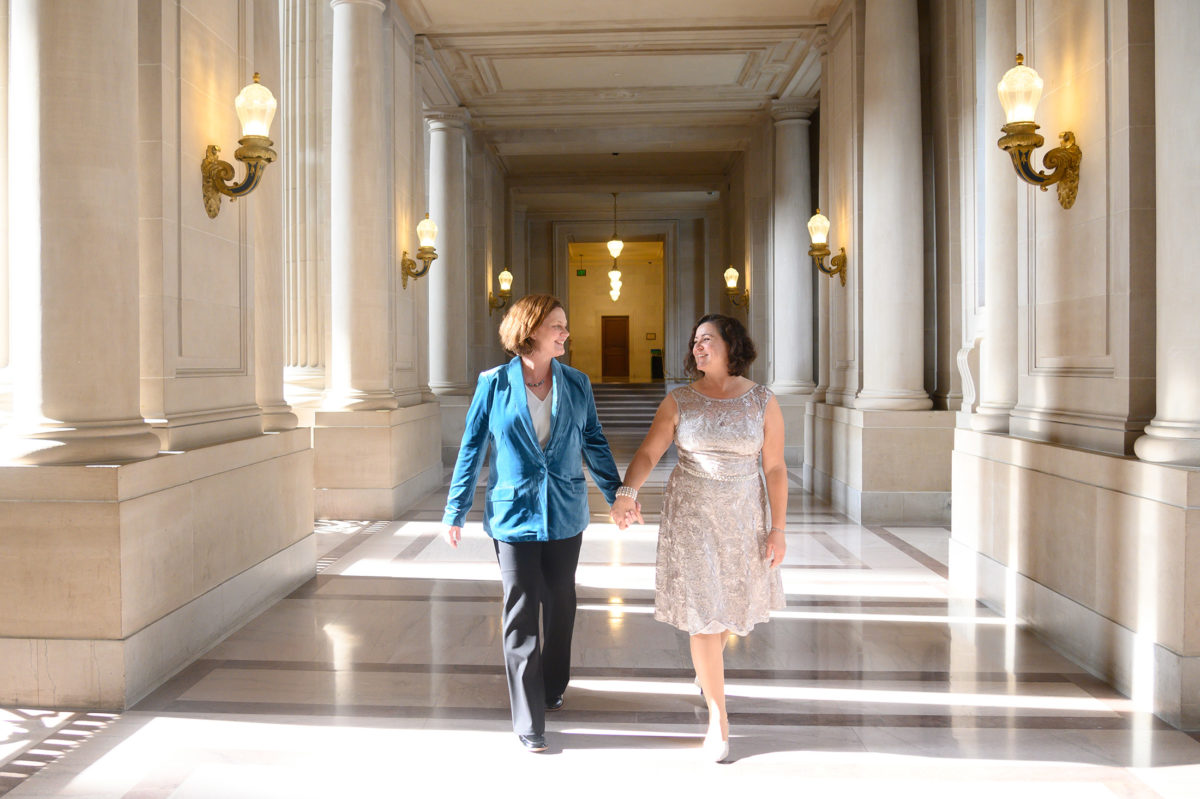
{"x":534,"y":743}
{"x":554,"y":703}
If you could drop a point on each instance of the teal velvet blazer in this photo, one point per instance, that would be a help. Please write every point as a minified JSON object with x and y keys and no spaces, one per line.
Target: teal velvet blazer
{"x":532,"y":495}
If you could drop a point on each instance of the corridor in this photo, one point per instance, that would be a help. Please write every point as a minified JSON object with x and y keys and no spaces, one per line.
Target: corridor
{"x":382,"y":676}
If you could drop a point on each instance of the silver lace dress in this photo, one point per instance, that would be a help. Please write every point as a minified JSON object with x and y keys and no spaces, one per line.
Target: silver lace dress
{"x":712,"y":574}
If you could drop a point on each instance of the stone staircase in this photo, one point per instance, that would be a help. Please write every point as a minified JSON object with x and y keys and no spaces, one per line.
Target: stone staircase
{"x":626,"y":411}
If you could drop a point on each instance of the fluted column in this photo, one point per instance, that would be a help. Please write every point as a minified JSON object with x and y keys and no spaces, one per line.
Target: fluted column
{"x":792,"y":294}
{"x":305,"y":203}
{"x":74,"y":235}
{"x":448,"y":285}
{"x":998,"y":349}
{"x":267,"y":217}
{"x":359,"y":368}
{"x":1174,"y":434}
{"x":893,"y":241}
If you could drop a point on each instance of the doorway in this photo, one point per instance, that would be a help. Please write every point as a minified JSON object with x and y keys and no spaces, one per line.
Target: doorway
{"x":614,"y":347}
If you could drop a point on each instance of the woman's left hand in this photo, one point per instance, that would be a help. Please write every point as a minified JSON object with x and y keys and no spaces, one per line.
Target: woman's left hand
{"x":776,"y":547}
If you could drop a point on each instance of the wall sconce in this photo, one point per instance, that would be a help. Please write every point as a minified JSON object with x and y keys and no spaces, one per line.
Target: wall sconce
{"x":427,"y":231}
{"x":614,"y":282}
{"x":501,"y":299}
{"x":255,"y":106}
{"x":818,"y":231}
{"x":1020,"y":90}
{"x":731,"y":281}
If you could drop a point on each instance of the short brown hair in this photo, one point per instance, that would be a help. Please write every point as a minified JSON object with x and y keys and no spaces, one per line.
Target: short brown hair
{"x":525,"y":316}
{"x":733,"y":332}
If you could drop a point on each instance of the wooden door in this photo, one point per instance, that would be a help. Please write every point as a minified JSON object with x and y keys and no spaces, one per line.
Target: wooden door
{"x":614,"y":346}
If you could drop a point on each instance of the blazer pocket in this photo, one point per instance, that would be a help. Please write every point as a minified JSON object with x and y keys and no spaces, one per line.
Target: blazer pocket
{"x":503,"y":494}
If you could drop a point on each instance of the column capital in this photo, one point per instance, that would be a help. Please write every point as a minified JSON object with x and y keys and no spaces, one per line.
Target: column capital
{"x":793,"y":108}
{"x":448,"y":116}
{"x":378,"y":5}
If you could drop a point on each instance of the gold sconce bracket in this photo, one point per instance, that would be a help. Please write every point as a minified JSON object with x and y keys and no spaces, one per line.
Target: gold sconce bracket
{"x":1020,"y":139}
{"x":742,"y":299}
{"x":408,"y":267}
{"x":255,"y":153}
{"x":837,"y":264}
{"x":496,"y":301}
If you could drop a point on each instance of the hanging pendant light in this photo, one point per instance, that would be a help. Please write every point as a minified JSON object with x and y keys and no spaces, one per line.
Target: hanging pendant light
{"x":615,"y":245}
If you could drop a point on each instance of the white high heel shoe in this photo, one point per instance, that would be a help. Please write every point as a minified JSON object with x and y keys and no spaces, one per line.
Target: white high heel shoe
{"x":715,"y":748}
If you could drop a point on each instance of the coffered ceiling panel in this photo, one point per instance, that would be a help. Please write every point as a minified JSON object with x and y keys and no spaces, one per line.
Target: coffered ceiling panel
{"x":627,"y":70}
{"x":556,"y":86}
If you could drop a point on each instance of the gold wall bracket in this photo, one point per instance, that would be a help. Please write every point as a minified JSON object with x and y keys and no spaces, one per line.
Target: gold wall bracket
{"x":1020,"y":139}
{"x":255,"y":153}
{"x":408,"y":267}
{"x":837,"y":264}
{"x":496,"y":301}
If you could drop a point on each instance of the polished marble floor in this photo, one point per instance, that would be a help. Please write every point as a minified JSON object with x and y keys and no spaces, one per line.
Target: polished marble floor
{"x":382,"y":677}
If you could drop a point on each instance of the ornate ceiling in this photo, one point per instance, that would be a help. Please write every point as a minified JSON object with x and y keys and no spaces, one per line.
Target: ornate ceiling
{"x":663,"y":93}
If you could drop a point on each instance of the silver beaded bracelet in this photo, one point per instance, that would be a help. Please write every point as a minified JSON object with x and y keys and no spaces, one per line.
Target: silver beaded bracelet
{"x":626,"y":491}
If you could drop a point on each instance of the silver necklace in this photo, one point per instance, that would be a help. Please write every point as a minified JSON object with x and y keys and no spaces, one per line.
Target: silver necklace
{"x":538,"y":383}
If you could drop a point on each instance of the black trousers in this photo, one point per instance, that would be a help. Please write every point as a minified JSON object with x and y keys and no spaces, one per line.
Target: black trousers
{"x":537,"y":576}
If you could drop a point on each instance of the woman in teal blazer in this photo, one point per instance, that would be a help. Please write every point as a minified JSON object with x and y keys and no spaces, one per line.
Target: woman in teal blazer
{"x":538,"y":419}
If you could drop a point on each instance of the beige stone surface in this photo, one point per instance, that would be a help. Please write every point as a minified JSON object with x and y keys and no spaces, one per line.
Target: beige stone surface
{"x":61,"y":673}
{"x":61,"y":565}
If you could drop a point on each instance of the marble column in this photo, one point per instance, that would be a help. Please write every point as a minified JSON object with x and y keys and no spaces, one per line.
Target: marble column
{"x":359,"y":368}
{"x":893,"y":293}
{"x":1174,"y":434}
{"x":792,"y":293}
{"x":267,"y":219}
{"x":305,"y":202}
{"x":998,"y":348}
{"x":448,"y":284}
{"x":74,"y":237}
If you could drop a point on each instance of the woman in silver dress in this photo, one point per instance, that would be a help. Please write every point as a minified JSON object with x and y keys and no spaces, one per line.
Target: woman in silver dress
{"x":717,"y":553}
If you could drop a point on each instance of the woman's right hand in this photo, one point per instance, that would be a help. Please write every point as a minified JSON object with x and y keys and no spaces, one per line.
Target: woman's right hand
{"x":625,"y":511}
{"x":453,"y":535}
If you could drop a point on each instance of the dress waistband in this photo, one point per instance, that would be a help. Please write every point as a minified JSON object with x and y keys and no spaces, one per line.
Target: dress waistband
{"x":724,"y":478}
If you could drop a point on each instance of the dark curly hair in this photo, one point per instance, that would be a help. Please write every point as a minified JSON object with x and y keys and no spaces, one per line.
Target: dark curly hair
{"x":733,"y":332}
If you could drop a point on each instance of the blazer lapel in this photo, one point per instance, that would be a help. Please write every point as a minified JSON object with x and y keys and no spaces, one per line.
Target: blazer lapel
{"x":519,"y":403}
{"x":557,"y":398}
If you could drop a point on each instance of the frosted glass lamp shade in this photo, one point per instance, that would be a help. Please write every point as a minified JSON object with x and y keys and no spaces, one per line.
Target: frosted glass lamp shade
{"x":731,"y":277}
{"x":255,"y":106}
{"x":818,"y":228}
{"x":505,"y":279}
{"x":1020,"y":92}
{"x":615,"y":246}
{"x":427,"y":231}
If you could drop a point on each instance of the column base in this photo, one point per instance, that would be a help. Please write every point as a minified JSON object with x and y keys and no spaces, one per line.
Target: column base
{"x":372,"y":465}
{"x":119,"y":576}
{"x":1177,"y":445}
{"x":881,"y":466}
{"x":360,"y":401}
{"x":108,"y":442}
{"x":276,"y":418}
{"x":868,"y":400}
{"x":990,"y":419}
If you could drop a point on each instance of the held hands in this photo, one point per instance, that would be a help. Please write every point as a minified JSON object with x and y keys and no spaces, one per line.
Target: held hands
{"x":776,"y":547}
{"x":626,"y":511}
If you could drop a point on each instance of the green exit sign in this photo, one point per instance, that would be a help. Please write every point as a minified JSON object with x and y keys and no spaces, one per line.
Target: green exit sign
{"x":580,"y":273}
